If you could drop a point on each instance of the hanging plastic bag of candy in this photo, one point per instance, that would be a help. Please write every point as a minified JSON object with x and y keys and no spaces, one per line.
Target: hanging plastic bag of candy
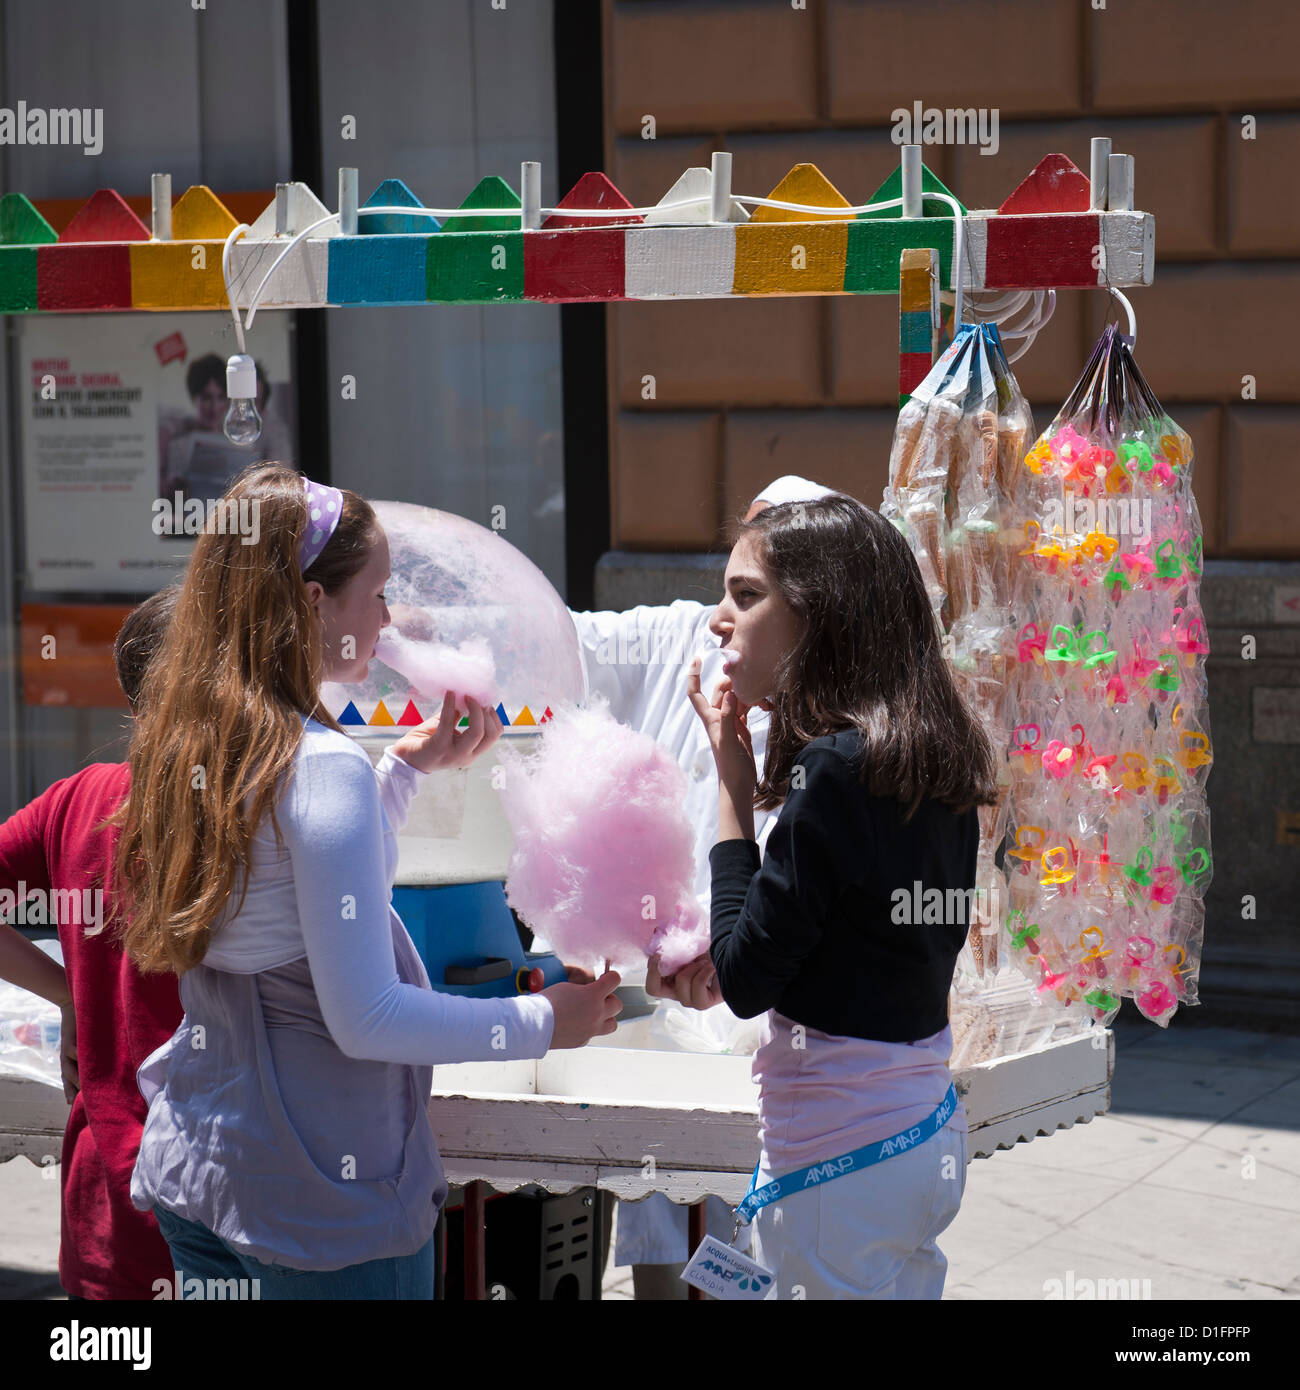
{"x":1109,"y":837}
{"x":954,"y":467}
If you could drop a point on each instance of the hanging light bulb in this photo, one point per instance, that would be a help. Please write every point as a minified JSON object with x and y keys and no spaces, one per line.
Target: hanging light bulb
{"x":243,"y":424}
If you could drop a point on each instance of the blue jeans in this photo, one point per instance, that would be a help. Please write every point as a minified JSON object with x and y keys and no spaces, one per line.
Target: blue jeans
{"x":199,"y":1254}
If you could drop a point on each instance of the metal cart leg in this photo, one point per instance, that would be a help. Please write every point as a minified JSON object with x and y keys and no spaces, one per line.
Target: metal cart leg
{"x":475,"y":1243}
{"x":695,"y":1229}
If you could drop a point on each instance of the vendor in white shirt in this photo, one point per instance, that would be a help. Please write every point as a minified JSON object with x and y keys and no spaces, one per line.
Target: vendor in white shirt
{"x":638,"y":660}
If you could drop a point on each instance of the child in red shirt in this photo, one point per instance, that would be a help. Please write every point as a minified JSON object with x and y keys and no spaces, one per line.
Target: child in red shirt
{"x":113,"y":1017}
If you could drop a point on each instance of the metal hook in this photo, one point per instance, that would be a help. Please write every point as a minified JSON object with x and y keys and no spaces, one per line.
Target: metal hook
{"x":1132,"y":317}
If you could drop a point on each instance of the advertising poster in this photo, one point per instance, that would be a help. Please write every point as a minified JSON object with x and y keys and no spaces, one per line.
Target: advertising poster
{"x":120,"y":426}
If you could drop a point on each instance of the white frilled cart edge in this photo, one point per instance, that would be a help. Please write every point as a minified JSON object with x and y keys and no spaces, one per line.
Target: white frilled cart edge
{"x":597,"y":1116}
{"x":591,"y":1118}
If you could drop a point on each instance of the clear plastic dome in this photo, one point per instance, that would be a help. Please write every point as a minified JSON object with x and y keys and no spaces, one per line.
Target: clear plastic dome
{"x":456,"y":584}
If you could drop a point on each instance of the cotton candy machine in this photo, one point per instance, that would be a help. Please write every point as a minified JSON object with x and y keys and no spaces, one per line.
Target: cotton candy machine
{"x":459,"y":588}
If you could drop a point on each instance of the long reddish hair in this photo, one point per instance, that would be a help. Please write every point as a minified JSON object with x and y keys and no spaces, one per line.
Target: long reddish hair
{"x":220,"y":713}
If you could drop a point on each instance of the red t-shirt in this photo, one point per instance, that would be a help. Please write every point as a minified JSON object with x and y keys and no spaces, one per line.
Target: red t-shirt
{"x":107,"y":1248}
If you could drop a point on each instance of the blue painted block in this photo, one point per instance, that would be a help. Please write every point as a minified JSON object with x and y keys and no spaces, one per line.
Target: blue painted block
{"x":393,"y":193}
{"x":914,"y":331}
{"x":378,"y":270}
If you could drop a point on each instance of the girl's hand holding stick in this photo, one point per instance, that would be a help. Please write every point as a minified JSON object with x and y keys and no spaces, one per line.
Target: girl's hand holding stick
{"x":733,"y":754}
{"x":696,"y":985}
{"x":436,"y":744}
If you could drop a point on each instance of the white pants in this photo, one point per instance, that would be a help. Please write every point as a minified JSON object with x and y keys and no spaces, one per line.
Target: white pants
{"x":868,"y":1235}
{"x":654,"y":1231}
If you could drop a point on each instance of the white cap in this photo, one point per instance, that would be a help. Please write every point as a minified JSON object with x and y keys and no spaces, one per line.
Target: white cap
{"x":241,"y":377}
{"x":792,"y":488}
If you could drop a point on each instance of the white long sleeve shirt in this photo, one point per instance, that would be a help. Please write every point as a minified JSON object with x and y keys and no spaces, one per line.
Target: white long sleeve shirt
{"x":288,"y":1113}
{"x":327,"y":895}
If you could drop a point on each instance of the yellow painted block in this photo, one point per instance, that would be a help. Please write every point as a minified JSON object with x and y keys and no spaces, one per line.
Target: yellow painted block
{"x":177,"y":275}
{"x":805,"y":183}
{"x":914,"y":281}
{"x":525,"y":717}
{"x":790,"y":259}
{"x":381,"y":715}
{"x":199,"y":215}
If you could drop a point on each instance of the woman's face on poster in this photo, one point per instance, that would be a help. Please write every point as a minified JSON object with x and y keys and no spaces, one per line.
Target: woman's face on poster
{"x":210,"y":407}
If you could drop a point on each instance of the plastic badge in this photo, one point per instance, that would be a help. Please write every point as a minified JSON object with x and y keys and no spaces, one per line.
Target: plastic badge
{"x":726,"y":1273}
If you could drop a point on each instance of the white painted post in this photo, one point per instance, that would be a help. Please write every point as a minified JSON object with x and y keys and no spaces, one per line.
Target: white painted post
{"x":530,"y":195}
{"x":1120,"y":196}
{"x":160,"y":187}
{"x":912,"y":205}
{"x":1099,"y":173}
{"x":348,"y":202}
{"x":720,"y":187}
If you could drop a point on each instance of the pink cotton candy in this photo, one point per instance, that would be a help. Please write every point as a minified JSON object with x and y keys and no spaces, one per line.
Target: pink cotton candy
{"x":603,"y":861}
{"x":433,"y":668}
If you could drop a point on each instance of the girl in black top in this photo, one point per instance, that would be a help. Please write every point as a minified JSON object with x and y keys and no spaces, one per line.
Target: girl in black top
{"x":878,"y":766}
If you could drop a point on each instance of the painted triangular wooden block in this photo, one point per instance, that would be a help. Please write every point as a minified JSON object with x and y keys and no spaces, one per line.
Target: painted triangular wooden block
{"x":525,"y":716}
{"x":593,"y":190}
{"x":393,"y":193}
{"x":805,"y":183}
{"x":491,"y":192}
{"x":893,"y":188}
{"x":21,"y":224}
{"x":1056,"y":184}
{"x":694,"y":183}
{"x":351,"y":715}
{"x":381,"y":715}
{"x":199,"y":215}
{"x":304,"y":209}
{"x":104,"y":216}
{"x":410,"y":715}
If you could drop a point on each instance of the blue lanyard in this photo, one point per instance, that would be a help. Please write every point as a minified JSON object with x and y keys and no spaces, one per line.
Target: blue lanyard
{"x":847,"y":1163}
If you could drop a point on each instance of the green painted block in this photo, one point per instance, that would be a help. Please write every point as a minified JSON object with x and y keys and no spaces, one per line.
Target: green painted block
{"x":17,"y":279}
{"x":21,"y":224}
{"x":871,"y":261}
{"x":876,"y":239}
{"x":475,"y":267}
{"x":491,"y":192}
{"x":893,"y":188}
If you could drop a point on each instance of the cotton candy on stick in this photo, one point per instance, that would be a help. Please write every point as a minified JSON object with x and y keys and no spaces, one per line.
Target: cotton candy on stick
{"x":603,"y":861}
{"x":434,"y":668}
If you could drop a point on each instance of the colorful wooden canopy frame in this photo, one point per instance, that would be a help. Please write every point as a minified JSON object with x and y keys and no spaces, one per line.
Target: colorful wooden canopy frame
{"x":919,"y":324}
{"x":107,"y":259}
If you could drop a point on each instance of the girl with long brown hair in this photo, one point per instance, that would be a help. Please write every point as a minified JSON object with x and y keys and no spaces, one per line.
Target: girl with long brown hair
{"x":878,"y":767}
{"x":287,"y":1139}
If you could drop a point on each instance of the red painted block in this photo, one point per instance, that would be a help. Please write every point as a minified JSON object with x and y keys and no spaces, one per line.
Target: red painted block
{"x":83,"y":277}
{"x":573,"y":266}
{"x":105,"y":217}
{"x":1056,"y":184}
{"x":913,"y":368}
{"x":1060,"y":250}
{"x":592,"y":190}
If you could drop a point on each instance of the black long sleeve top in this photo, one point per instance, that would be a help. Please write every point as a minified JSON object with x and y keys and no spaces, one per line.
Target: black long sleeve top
{"x":827,"y":930}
